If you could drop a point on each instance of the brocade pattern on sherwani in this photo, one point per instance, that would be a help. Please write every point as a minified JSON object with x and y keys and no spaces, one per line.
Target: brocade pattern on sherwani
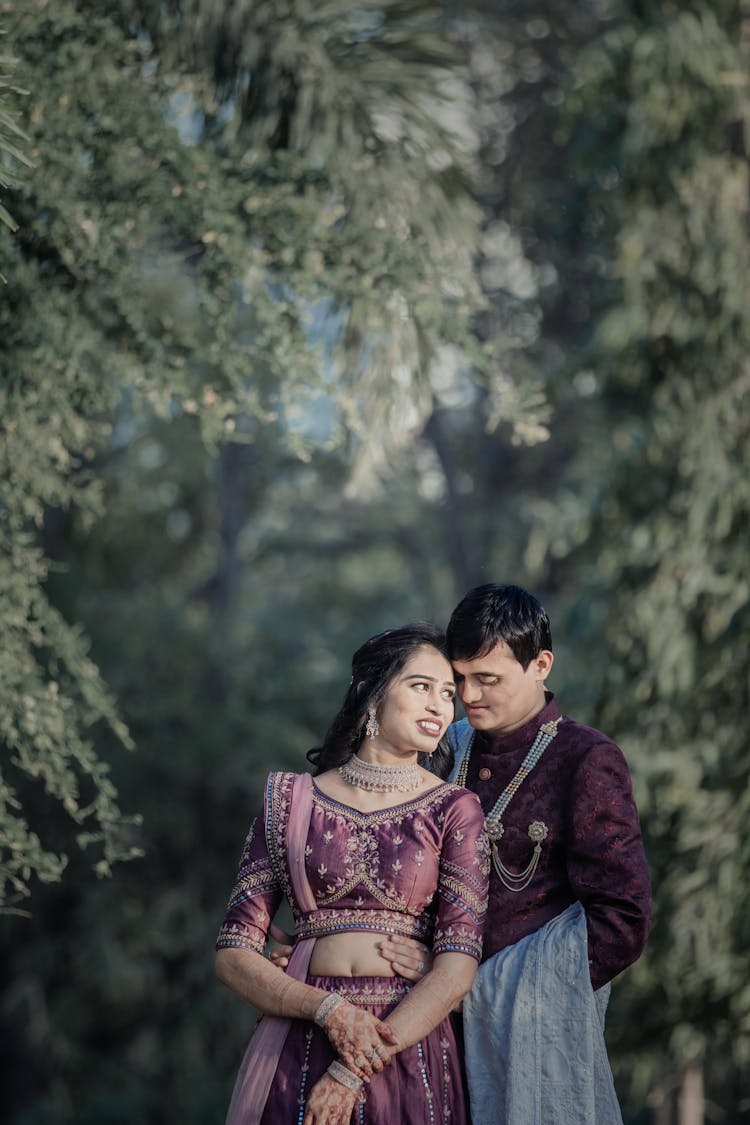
{"x":593,"y":852}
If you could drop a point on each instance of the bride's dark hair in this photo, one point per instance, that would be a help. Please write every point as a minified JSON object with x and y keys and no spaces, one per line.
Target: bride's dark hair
{"x":374,"y":665}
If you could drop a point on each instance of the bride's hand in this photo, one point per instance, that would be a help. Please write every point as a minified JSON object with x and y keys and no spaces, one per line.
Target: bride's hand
{"x":329,"y":1103}
{"x":363,"y":1043}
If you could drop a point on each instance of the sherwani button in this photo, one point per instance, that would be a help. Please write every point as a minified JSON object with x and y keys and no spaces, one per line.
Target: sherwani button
{"x":485,"y":774}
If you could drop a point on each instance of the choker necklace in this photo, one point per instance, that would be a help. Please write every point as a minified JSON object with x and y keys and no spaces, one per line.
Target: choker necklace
{"x":380,"y":779}
{"x":493,"y":823}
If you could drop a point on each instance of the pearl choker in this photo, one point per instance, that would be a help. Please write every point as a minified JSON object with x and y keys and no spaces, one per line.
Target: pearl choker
{"x":381,"y":779}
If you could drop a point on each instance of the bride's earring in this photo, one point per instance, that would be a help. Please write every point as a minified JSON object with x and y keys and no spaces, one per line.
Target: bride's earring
{"x":372,"y":729}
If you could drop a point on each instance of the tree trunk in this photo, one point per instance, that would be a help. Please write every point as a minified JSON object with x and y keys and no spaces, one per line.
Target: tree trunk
{"x":456,"y":538}
{"x":661,"y":1101}
{"x":691,"y":1102}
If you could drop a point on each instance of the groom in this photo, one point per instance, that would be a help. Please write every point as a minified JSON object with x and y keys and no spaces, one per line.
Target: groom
{"x":569,"y":904}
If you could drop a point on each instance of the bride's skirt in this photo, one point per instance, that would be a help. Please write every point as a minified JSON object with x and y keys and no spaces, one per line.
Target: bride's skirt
{"x":422,"y":1085}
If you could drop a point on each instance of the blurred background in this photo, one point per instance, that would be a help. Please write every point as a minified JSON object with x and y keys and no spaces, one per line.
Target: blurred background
{"x":312,"y":317}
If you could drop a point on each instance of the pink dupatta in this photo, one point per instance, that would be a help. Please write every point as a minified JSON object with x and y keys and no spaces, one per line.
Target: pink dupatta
{"x":258,"y":1067}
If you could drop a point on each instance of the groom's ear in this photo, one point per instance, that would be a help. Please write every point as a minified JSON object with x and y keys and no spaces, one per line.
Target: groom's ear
{"x":543,"y":662}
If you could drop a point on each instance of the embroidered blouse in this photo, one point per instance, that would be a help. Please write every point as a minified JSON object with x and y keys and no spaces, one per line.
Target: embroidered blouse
{"x":419,"y":869}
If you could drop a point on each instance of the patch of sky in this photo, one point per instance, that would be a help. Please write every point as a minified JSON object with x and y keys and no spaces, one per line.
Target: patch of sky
{"x":127,"y":425}
{"x":312,"y":413}
{"x":324,"y":324}
{"x":450,"y":378}
{"x":322,"y":320}
{"x":186,"y":116}
{"x":364,"y":25}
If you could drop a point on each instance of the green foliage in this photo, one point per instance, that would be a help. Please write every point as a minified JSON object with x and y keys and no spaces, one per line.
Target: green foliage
{"x":12,"y":137}
{"x":674,"y":529}
{"x":254,"y":405}
{"x":166,"y":265}
{"x":645,"y":534}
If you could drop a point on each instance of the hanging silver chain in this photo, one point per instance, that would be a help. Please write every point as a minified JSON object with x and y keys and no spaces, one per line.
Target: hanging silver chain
{"x":493,"y":822}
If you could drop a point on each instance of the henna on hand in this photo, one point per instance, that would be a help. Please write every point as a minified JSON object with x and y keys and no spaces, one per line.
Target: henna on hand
{"x":266,"y":987}
{"x":329,"y":1103}
{"x":363,"y":1042}
{"x":285,"y":993}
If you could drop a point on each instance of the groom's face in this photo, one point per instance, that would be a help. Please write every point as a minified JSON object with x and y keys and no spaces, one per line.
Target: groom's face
{"x":497,"y":694}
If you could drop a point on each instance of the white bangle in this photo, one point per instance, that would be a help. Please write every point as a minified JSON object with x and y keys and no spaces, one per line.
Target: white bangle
{"x":327,"y":1007}
{"x":342,"y":1074}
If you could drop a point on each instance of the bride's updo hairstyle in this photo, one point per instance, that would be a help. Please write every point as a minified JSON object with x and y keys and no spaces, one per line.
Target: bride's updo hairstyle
{"x":375,"y":665}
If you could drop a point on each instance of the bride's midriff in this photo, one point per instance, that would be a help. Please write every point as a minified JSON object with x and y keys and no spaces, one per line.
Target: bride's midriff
{"x":353,"y":954}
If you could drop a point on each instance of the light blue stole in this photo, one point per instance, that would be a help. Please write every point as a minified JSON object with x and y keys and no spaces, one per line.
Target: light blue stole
{"x":459,"y":735}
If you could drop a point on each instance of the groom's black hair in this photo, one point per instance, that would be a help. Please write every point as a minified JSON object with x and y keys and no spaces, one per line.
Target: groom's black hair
{"x":492,"y":613}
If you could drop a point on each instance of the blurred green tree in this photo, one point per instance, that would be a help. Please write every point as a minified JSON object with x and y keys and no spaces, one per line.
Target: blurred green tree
{"x":670,"y":528}
{"x":629,"y":185}
{"x":13,"y":155}
{"x":284,"y":436}
{"x":217,"y":242}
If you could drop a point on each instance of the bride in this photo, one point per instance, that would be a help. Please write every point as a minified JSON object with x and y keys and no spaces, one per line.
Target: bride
{"x":375,"y":845}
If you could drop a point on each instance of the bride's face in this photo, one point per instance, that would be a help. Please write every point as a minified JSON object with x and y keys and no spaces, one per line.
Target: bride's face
{"x":418,"y":705}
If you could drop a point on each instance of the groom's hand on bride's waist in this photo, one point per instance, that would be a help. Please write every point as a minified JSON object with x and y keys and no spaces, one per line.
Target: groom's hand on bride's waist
{"x":407,"y":957}
{"x":279,"y":954}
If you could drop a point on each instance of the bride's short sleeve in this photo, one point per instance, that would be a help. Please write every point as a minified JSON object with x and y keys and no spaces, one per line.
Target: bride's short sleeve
{"x":463,"y":878}
{"x":255,"y":897}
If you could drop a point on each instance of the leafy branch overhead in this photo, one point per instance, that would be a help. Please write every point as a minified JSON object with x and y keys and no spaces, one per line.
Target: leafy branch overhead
{"x":13,"y":141}
{"x":207,"y":237}
{"x":295,"y":293}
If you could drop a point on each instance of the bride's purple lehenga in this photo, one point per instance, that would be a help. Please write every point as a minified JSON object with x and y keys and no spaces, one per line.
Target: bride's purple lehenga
{"x":418,"y":869}
{"x":423,"y":1083}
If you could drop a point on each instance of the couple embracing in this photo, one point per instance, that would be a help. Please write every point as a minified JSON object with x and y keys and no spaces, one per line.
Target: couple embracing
{"x":497,"y":860}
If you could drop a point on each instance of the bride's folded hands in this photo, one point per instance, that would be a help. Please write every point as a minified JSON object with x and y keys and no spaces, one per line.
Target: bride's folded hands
{"x":363,"y":1043}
